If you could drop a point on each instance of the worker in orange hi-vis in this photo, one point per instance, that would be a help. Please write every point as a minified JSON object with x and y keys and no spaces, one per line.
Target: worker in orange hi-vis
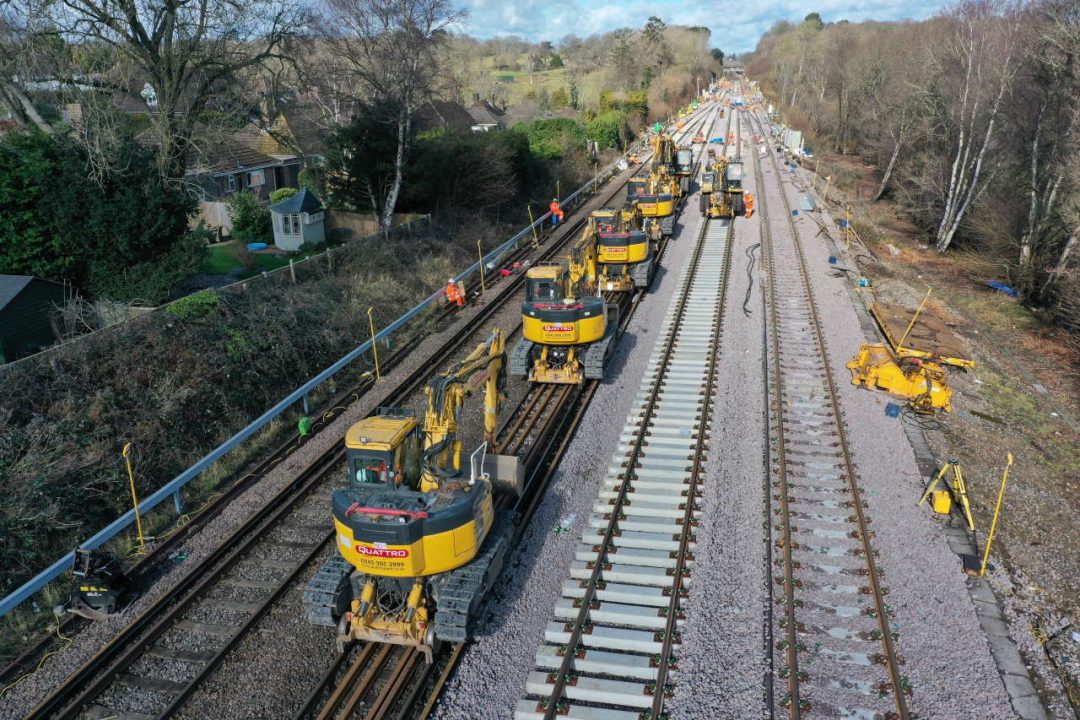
{"x":749,"y":204}
{"x":454,"y":293}
{"x":556,"y":212}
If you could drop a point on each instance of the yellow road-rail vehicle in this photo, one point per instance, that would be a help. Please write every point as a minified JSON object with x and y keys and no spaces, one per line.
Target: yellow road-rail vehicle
{"x":419,"y":544}
{"x":626,"y":245}
{"x":724,"y":196}
{"x":568,"y":329}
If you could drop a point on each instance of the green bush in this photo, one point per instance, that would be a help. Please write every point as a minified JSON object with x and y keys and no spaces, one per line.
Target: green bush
{"x":280,"y":194}
{"x":197,"y":305}
{"x":250,"y":218}
{"x":121,"y":234}
{"x":608,"y":129}
{"x":549,"y":139}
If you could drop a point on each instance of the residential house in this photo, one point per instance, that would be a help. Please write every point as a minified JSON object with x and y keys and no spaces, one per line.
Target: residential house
{"x":486,"y":116}
{"x":26,"y":304}
{"x":252,"y":158}
{"x":442,"y":115}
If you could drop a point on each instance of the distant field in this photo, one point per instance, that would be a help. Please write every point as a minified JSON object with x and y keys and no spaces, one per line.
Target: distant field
{"x":515,"y":85}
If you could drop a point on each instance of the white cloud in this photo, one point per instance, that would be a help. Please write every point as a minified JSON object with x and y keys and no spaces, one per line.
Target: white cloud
{"x":735,"y":27}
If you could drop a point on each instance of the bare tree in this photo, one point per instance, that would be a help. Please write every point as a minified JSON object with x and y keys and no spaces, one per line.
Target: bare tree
{"x":176,"y":56}
{"x":983,"y":44}
{"x":391,"y":48}
{"x":17,"y":54}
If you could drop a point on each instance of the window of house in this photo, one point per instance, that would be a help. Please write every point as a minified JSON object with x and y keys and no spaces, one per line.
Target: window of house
{"x":230,"y":183}
{"x":290,"y":223}
{"x":256,"y":178}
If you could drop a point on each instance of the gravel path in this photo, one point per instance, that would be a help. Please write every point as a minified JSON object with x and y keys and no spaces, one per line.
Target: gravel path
{"x":502,"y":656}
{"x":947,"y":657}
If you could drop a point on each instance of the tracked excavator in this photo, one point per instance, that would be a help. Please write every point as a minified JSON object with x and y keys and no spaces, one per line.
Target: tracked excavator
{"x":419,"y":542}
{"x":626,"y":247}
{"x":657,"y":192}
{"x":568,"y":330}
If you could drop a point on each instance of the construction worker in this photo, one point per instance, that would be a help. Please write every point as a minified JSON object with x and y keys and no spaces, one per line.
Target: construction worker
{"x":454,"y":293}
{"x":749,"y":198}
{"x":556,"y":212}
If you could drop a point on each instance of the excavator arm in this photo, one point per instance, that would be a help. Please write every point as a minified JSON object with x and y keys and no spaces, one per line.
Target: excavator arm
{"x":446,"y":394}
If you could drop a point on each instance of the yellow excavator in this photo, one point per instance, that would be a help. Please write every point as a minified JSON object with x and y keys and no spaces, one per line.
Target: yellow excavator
{"x":419,"y":544}
{"x":626,"y":244}
{"x":657,"y":192}
{"x":567,"y":328}
{"x":722,"y":190}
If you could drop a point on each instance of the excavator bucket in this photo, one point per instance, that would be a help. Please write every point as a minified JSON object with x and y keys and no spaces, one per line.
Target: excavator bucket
{"x":506,"y":474}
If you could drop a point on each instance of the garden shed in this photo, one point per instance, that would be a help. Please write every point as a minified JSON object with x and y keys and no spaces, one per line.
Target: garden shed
{"x":298,"y":220}
{"x":25,"y":306}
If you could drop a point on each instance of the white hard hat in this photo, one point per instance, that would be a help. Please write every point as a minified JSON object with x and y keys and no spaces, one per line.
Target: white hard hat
{"x":450,"y":280}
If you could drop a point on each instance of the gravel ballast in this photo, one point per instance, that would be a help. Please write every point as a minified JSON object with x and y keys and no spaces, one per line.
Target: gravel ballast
{"x":948,"y":662}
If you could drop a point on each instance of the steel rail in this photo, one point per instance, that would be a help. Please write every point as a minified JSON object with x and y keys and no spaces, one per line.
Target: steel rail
{"x":864,"y":533}
{"x":569,"y":649}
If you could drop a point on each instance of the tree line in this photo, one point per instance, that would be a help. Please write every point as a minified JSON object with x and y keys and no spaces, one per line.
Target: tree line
{"x":970,"y":118}
{"x":197,"y":72}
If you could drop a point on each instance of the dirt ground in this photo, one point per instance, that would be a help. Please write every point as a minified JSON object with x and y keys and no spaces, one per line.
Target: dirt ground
{"x":1023,"y":397}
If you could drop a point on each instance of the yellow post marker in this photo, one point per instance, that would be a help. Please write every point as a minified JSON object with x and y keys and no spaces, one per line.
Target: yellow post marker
{"x":914,"y":318}
{"x":847,"y":226}
{"x":997,"y":512}
{"x":825,"y":195}
{"x":374,"y":345}
{"x":480,"y":254}
{"x":126,"y":452}
{"x":532,"y":224}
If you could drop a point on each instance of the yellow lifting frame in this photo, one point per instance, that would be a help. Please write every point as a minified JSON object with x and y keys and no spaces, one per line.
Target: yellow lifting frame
{"x":956,"y":489}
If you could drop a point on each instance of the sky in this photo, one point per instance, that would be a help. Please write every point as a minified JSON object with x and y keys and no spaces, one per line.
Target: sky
{"x":736,"y":26}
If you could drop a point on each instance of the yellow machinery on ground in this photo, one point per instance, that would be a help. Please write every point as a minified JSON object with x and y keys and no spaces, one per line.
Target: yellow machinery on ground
{"x":567,"y":328}
{"x":919,"y":380}
{"x":657,"y":193}
{"x":626,"y":244}
{"x":912,"y":366}
{"x":419,"y":544}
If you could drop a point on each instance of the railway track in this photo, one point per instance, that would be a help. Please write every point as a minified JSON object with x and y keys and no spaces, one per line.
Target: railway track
{"x":610,"y":650}
{"x":835,"y":653}
{"x":539,"y":430}
{"x":149,"y":636}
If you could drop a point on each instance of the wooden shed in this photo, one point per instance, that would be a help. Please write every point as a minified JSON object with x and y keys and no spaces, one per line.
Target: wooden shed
{"x":25,"y":306}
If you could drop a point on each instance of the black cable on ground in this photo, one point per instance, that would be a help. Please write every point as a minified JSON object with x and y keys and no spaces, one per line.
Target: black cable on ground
{"x":750,"y":278}
{"x":919,"y":419}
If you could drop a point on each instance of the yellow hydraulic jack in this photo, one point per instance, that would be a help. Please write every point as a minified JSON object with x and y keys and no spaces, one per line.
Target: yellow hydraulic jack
{"x":955,"y":490}
{"x":918,"y":379}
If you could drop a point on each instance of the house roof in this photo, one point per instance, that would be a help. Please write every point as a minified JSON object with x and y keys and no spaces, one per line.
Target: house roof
{"x":437,"y":114}
{"x":11,"y":286}
{"x":249,"y":147}
{"x":303,"y":201}
{"x":484,"y":113}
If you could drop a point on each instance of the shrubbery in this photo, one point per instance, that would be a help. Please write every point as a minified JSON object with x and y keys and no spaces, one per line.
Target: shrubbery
{"x":120,"y":233}
{"x":250,"y":218}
